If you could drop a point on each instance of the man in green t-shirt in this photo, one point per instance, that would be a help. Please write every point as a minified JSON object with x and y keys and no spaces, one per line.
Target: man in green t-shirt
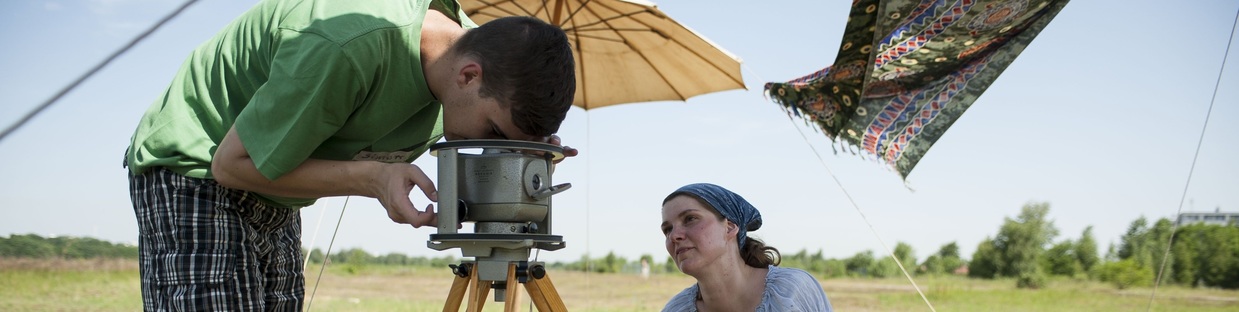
{"x":301,"y":99}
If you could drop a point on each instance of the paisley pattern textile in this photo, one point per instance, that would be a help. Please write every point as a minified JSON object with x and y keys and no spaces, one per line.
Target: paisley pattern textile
{"x":907,"y":69}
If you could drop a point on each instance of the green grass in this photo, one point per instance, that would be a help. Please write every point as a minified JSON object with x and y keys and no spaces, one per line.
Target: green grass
{"x":953,"y":293}
{"x":58,"y":285}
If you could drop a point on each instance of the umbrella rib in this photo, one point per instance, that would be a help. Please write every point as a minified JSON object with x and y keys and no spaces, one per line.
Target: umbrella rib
{"x":540,"y":9}
{"x":642,"y":54}
{"x":495,"y":6}
{"x":578,"y":34}
{"x":604,"y":38}
{"x":708,"y":60}
{"x":570,"y":15}
{"x":602,"y":21}
{"x":613,"y":29}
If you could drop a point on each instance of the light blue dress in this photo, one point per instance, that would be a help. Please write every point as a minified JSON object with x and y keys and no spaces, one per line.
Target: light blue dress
{"x":787,"y":289}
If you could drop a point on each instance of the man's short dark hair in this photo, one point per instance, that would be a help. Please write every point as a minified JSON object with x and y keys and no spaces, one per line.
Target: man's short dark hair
{"x":527,"y":65}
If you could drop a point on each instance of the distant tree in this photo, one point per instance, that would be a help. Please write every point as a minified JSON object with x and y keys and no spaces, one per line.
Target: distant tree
{"x":669,"y":266}
{"x":1219,"y":256}
{"x":986,"y":262}
{"x":945,"y":261}
{"x":1184,"y":250}
{"x":887,"y":267}
{"x":860,"y":264}
{"x":81,"y":247}
{"x":1125,"y":273}
{"x":316,"y":255}
{"x":443,"y":261}
{"x":647,"y":258}
{"x":1021,"y":241}
{"x":1158,"y":239}
{"x":1133,"y":245}
{"x":1112,"y":253}
{"x":1062,"y":260}
{"x":834,"y":268}
{"x":884,"y":268}
{"x":1146,"y":246}
{"x":817,"y":264}
{"x":355,"y":256}
{"x":905,"y":254}
{"x":1031,"y":279}
{"x":931,"y":265}
{"x":610,"y":264}
{"x":950,"y":257}
{"x":798,"y":260}
{"x":1086,"y":250}
{"x":35,"y":246}
{"x":393,"y":259}
{"x":26,"y":246}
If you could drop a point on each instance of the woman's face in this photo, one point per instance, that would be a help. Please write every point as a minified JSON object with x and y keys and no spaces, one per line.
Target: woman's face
{"x":695,"y":236}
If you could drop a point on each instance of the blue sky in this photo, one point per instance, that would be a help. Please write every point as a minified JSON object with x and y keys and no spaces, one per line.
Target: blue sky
{"x":1100,"y":117}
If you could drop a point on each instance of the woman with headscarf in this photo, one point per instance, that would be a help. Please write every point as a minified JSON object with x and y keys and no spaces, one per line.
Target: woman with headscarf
{"x":706,"y":230}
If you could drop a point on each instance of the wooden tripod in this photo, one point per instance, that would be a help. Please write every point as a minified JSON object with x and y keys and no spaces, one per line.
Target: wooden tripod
{"x":537,"y":283}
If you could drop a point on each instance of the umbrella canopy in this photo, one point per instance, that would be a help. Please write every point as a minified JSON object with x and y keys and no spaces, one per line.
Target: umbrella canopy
{"x":907,"y":69}
{"x":626,"y":50}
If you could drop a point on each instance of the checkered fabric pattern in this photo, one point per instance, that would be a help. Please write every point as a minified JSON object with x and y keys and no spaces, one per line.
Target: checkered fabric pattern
{"x":206,"y":247}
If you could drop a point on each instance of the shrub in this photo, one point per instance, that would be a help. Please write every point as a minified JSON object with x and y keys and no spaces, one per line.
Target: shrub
{"x":1125,"y":273}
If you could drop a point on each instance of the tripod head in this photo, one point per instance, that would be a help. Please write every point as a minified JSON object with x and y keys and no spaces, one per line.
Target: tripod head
{"x":506,"y":191}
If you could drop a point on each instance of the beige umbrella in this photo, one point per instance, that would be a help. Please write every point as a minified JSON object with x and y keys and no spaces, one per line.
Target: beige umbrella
{"x":626,"y":50}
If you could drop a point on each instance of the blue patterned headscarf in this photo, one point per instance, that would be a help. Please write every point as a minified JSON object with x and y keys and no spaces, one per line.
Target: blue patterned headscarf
{"x":733,"y":207}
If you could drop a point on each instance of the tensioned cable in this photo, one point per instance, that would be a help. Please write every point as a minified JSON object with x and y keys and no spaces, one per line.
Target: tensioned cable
{"x":327,"y":255}
{"x":94,"y":70}
{"x":889,"y":252}
{"x":314,"y":238}
{"x":1216,"y":85}
{"x":589,"y":266}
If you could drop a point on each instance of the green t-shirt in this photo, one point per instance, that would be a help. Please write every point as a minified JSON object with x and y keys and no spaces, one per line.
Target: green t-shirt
{"x":300,"y":79}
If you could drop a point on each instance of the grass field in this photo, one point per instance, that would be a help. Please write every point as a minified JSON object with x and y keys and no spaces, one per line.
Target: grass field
{"x":112,"y":285}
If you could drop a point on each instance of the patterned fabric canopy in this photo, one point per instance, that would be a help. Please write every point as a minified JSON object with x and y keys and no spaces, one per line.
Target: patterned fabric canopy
{"x":907,"y":69}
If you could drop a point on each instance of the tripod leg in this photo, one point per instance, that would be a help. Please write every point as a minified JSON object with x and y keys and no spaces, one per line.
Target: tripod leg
{"x":477,"y":293}
{"x":542,"y":292}
{"x":456,"y":294}
{"x":512,"y":293}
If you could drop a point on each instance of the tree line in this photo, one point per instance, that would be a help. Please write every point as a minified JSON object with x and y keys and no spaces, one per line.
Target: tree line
{"x":65,"y":247}
{"x":1024,"y":249}
{"x":1200,"y":255}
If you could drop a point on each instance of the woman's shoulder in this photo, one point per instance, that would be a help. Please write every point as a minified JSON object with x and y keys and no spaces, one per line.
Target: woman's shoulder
{"x":788,"y":275}
{"x":686,"y":300}
{"x":791,"y":289}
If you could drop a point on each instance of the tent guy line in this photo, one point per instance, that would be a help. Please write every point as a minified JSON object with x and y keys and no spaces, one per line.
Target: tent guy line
{"x":92,"y":71}
{"x":1195,"y":156}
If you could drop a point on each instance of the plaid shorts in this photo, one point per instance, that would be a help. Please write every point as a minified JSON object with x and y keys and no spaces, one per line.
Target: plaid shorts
{"x":206,"y":247}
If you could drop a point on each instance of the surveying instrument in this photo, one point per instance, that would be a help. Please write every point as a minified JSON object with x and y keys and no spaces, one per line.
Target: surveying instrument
{"x":506,"y":191}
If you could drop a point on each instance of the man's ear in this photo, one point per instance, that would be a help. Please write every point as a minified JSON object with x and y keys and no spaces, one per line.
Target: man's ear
{"x":470,"y":72}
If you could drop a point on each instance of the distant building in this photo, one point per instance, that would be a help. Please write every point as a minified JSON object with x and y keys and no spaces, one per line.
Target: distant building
{"x":1217,"y":217}
{"x":961,"y":270}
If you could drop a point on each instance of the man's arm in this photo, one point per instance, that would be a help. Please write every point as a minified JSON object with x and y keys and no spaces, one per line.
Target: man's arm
{"x":315,"y":178}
